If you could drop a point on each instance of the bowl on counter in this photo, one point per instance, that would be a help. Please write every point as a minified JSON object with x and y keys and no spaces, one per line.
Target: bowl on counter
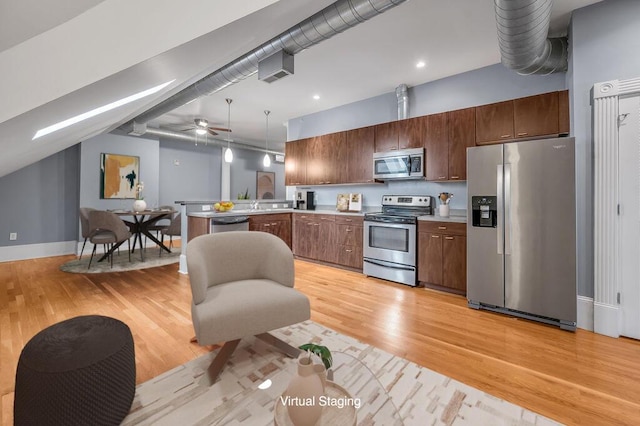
{"x":223,"y":206}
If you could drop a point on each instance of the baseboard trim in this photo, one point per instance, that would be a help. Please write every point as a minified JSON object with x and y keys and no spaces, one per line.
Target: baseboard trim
{"x":606,"y":319}
{"x":33,"y":251}
{"x":585,"y":313}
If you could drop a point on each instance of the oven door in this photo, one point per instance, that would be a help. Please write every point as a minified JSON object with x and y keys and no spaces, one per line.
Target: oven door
{"x":390,"y":242}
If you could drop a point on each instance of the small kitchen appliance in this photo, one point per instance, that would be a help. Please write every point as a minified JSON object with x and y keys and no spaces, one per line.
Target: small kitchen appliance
{"x":305,"y":200}
{"x":398,"y":165}
{"x":390,"y":238}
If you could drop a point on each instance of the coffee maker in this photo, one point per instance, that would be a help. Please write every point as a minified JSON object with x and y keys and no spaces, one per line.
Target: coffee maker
{"x":305,"y":200}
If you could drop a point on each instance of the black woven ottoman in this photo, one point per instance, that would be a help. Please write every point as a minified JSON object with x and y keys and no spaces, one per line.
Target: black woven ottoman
{"x":80,"y":371}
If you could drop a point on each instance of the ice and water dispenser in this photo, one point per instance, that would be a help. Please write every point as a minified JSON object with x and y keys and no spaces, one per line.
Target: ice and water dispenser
{"x":484,"y":211}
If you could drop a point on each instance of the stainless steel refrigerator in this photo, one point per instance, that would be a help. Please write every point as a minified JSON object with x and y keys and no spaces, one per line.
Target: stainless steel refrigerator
{"x":521,"y":230}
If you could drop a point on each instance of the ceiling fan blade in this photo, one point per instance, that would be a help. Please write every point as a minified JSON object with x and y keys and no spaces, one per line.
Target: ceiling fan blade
{"x":212,"y":133}
{"x":222,"y":129}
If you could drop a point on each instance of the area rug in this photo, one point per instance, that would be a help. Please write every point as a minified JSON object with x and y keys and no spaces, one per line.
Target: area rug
{"x":418,"y":396}
{"x":121,"y":262}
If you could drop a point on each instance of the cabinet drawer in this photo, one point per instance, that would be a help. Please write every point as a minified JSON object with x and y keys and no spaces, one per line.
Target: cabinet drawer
{"x":349,"y":235}
{"x":270,"y":217}
{"x":323,"y":218}
{"x":349,"y":220}
{"x":452,"y":228}
{"x":349,"y":256}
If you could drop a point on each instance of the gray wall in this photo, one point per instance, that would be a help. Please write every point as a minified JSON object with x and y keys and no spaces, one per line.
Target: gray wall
{"x":40,"y":202}
{"x":146,"y":149}
{"x":605,"y":44}
{"x":482,"y":86}
{"x":195,"y":177}
{"x":243,"y":173}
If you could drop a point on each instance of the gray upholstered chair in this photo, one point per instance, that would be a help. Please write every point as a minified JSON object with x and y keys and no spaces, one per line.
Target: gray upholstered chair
{"x":160,"y":223}
{"x":172,"y":230}
{"x":84,"y":226}
{"x":242,"y":285}
{"x":109,"y":230}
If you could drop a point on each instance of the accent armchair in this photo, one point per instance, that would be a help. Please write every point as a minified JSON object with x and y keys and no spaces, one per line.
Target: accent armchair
{"x":242,"y":285}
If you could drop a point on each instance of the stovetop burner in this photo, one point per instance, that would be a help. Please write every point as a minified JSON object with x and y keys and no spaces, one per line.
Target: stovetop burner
{"x":402,"y":209}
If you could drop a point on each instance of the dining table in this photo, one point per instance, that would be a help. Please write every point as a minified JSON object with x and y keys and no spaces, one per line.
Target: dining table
{"x":139,"y":226}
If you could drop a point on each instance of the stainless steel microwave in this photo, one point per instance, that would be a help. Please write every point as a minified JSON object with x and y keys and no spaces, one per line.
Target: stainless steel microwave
{"x":402,"y":164}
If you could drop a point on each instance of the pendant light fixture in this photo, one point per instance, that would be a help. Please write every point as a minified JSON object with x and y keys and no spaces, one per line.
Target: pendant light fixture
{"x":228,"y":154}
{"x":267,"y":160}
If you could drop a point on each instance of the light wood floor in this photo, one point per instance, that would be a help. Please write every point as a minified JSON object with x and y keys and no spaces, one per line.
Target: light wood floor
{"x":575,"y":378}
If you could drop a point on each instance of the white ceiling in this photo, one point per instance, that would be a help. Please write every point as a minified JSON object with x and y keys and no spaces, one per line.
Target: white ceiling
{"x":139,"y":49}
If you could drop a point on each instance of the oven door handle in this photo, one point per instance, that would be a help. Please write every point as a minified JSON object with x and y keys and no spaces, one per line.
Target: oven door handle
{"x":386,"y":265}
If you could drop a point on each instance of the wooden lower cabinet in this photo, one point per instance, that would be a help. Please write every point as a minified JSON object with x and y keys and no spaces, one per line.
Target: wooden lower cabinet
{"x":442,"y":255}
{"x":328,"y":238}
{"x":278,"y":224}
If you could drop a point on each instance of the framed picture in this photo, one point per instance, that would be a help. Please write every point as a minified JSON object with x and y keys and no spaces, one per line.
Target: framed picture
{"x":265,"y":185}
{"x":119,"y":175}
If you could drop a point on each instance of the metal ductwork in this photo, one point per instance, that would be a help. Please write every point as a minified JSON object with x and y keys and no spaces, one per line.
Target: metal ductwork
{"x":402,"y":93}
{"x":523,"y":29}
{"x":190,"y":137}
{"x":330,"y":21}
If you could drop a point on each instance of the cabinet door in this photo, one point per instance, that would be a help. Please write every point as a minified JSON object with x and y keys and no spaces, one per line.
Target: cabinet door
{"x":411,"y":133}
{"x":454,"y":262}
{"x":536,"y":115}
{"x":336,"y":158}
{"x":360,"y":147}
{"x":304,"y":236}
{"x":461,"y":136}
{"x":437,"y":147}
{"x":430,"y":258}
{"x":326,"y":249}
{"x":316,"y":159}
{"x":284,"y":231}
{"x":563,"y":113}
{"x":295,"y":165}
{"x":349,"y":256}
{"x":386,"y":136}
{"x":494,"y":123}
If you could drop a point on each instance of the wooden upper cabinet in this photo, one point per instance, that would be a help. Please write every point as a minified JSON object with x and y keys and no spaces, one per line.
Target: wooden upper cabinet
{"x":536,"y":115}
{"x":563,"y":113}
{"x":327,"y":159}
{"x":437,"y":147}
{"x":411,"y":133}
{"x":494,"y":123}
{"x":386,"y":136}
{"x":295,"y":162}
{"x":461,"y":136}
{"x":360,"y":148}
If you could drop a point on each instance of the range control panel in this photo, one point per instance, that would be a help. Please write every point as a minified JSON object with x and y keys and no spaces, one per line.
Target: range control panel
{"x":407,"y":200}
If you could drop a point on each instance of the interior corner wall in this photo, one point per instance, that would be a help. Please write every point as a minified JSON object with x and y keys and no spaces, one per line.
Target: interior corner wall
{"x":189,"y":172}
{"x":246,"y":164}
{"x":40,"y":201}
{"x":605,"y":40}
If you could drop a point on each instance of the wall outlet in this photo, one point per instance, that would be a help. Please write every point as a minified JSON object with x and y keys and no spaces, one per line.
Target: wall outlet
{"x":13,"y":236}
{"x":274,"y":206}
{"x":206,"y":208}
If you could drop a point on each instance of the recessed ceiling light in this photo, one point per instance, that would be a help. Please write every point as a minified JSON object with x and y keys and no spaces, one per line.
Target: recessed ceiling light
{"x":421,"y":64}
{"x":316,"y":97}
{"x":73,"y":120}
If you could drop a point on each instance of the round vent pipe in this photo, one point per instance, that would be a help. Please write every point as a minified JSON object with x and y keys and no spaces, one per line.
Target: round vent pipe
{"x":523,"y":29}
{"x":402,"y":93}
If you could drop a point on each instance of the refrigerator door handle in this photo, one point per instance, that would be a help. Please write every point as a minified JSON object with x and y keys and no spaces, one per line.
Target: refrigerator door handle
{"x":507,"y":208}
{"x":499,"y":190}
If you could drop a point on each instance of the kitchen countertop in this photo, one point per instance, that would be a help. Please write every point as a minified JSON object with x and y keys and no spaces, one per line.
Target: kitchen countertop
{"x":456,"y":216}
{"x":249,"y":212}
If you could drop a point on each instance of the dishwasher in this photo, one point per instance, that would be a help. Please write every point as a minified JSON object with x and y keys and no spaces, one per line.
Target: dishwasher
{"x":229,"y":223}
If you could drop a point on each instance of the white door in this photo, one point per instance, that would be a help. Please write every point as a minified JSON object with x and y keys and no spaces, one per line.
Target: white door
{"x":629,"y":186}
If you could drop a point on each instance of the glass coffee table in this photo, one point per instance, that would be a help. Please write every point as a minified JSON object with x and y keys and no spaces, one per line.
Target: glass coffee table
{"x":357,"y":397}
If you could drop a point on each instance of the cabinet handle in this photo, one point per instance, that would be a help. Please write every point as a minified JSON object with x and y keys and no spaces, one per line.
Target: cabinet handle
{"x":455,"y":177}
{"x":448,"y":238}
{"x":348,"y":220}
{"x":442,"y":177}
{"x":348,"y":230}
{"x":442,"y":227}
{"x":393,"y":148}
{"x":435,"y":236}
{"x":328,"y":181}
{"x":348,"y":250}
{"x":369,"y":180}
{"x":266,"y":224}
{"x":523,"y":134}
{"x":316,"y":224}
{"x":505,"y":136}
{"x":274,"y":223}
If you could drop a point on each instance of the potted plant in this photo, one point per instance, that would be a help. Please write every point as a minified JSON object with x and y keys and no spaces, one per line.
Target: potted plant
{"x":323,"y":353}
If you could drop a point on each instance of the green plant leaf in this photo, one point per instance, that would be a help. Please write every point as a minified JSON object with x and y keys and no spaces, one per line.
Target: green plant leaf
{"x":322,"y":351}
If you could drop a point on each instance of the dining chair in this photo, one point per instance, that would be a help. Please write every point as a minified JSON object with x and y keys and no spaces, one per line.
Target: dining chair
{"x":109,"y":230}
{"x":84,"y":226}
{"x":174,"y":229}
{"x":160,"y":223}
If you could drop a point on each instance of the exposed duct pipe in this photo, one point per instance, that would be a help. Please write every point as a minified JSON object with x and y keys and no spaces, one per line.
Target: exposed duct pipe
{"x":402,"y":93}
{"x":523,"y":29}
{"x":189,"y":137}
{"x":330,"y":21}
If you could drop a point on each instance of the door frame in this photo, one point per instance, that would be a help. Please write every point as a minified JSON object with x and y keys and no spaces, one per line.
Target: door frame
{"x":606,"y":247}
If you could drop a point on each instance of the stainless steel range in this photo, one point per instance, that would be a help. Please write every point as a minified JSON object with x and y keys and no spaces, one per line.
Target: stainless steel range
{"x":390,"y":238}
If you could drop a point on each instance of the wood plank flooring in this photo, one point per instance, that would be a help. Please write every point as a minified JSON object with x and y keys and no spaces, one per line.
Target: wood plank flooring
{"x":575,"y":378}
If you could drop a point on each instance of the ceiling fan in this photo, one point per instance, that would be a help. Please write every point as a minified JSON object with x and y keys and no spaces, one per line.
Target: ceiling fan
{"x":201,"y":127}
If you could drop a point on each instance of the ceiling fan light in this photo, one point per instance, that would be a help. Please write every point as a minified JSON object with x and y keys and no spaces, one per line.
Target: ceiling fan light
{"x":228,"y":155}
{"x":202,"y":122}
{"x":201,"y":131}
{"x":266,"y":161}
